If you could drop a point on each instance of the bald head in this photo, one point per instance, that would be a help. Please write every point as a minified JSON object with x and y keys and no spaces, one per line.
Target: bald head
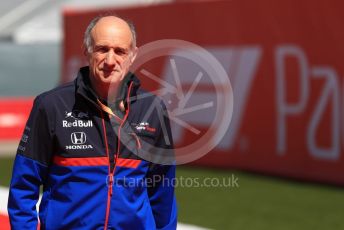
{"x":110,"y":50}
{"x":110,"y":22}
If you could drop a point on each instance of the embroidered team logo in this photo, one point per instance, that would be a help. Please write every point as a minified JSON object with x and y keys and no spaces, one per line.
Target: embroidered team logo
{"x":144,"y":126}
{"x":76,"y":115}
{"x":76,"y":119}
{"x":78,"y":139}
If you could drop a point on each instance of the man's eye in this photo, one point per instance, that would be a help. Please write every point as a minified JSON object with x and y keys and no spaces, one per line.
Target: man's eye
{"x":102,"y":49}
{"x":120,"y":51}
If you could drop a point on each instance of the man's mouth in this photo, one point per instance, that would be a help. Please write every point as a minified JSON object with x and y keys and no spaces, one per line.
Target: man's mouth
{"x":109,"y":71}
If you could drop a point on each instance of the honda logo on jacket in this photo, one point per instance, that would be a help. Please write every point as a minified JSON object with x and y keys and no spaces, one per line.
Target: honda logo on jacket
{"x":78,"y":138}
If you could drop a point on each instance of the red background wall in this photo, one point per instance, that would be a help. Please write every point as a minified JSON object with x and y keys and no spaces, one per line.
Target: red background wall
{"x":312,"y":28}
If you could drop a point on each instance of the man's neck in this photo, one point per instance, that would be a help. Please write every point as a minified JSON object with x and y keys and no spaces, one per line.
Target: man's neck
{"x":106,"y":92}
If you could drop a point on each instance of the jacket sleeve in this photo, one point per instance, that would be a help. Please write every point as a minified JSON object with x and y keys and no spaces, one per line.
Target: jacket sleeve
{"x":161,"y":191}
{"x":29,"y":169}
{"x":162,"y":197}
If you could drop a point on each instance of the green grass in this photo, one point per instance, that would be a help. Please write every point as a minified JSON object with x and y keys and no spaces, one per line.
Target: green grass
{"x":5,"y":170}
{"x":259,"y":203}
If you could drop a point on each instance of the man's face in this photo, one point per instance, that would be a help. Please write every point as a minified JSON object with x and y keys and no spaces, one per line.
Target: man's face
{"x":112,"y":52}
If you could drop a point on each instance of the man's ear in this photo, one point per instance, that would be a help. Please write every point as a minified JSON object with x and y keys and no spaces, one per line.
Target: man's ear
{"x":133,"y":55}
{"x":85,"y":51}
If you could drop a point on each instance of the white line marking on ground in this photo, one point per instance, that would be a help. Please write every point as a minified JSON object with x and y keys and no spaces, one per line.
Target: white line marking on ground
{"x":182,"y":226}
{"x":3,"y":200}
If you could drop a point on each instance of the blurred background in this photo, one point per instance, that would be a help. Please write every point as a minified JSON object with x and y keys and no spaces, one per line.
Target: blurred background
{"x":279,"y":165}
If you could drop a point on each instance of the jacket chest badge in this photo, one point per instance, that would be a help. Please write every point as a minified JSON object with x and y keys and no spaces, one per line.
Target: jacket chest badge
{"x":144,"y":126}
{"x":78,"y":140}
{"x":76,"y":119}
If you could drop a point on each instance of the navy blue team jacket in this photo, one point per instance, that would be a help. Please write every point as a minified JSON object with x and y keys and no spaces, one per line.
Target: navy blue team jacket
{"x":90,"y":162}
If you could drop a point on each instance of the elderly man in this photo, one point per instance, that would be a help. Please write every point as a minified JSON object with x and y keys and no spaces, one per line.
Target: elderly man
{"x":84,"y":142}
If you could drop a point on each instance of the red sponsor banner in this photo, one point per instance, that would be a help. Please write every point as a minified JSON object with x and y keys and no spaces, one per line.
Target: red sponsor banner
{"x":4,"y":222}
{"x":285,"y":62}
{"x":13,"y":115}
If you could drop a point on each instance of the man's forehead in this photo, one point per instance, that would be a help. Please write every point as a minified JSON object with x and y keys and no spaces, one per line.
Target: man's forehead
{"x":111,"y":28}
{"x":112,"y":20}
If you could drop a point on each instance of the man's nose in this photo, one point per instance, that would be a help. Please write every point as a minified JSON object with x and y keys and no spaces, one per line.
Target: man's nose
{"x":110,"y":58}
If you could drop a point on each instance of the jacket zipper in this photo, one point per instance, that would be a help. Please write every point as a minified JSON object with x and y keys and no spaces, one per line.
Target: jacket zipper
{"x":110,"y":177}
